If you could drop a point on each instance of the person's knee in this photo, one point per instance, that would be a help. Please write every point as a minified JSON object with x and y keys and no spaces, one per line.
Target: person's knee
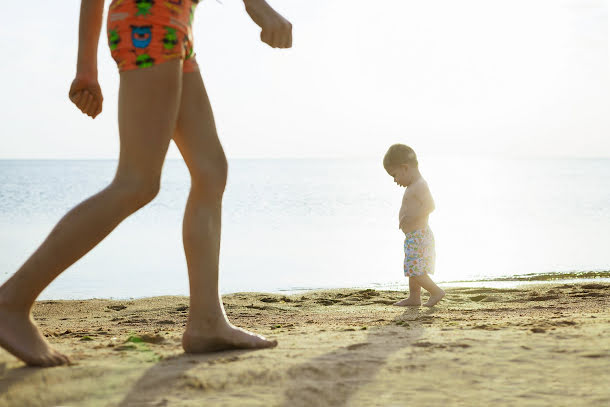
{"x":136,"y":193}
{"x":209,"y":177}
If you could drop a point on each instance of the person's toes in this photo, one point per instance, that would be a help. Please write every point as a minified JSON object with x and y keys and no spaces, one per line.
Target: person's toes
{"x":59,"y":359}
{"x":66,"y":360}
{"x":264,"y":343}
{"x":56,"y":360}
{"x":44,"y":361}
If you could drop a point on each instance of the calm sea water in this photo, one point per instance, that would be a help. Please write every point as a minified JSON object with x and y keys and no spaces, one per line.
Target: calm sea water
{"x":303,"y":224}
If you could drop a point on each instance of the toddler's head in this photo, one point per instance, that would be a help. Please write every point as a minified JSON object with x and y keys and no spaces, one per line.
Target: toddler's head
{"x":401,"y":163}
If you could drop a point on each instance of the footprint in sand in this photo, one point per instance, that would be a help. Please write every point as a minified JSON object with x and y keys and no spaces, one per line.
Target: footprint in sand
{"x":543,"y":297}
{"x":357,"y":345}
{"x":538,"y":330}
{"x":595,"y":356}
{"x":593,"y":287}
{"x":326,"y":301}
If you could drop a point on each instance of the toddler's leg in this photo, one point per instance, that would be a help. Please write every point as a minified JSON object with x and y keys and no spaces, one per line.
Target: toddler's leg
{"x":414,"y":299}
{"x":436,"y":293}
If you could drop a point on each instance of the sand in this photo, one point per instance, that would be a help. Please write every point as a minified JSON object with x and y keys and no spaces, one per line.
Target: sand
{"x":541,"y":345}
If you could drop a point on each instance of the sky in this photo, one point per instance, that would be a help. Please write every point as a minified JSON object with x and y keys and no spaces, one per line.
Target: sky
{"x":510,"y":78}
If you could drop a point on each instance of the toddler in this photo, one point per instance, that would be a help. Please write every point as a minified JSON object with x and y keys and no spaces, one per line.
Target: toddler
{"x":401,"y":163}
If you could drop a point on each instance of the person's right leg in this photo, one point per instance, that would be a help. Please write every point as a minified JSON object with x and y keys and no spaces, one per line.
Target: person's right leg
{"x":148,"y":105}
{"x":208,"y":328}
{"x":436,"y":293}
{"x":414,"y":299}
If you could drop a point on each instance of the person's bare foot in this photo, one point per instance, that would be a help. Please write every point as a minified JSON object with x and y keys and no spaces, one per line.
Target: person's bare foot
{"x":225,"y":337}
{"x":20,"y":337}
{"x":409,"y":302}
{"x":434,"y":299}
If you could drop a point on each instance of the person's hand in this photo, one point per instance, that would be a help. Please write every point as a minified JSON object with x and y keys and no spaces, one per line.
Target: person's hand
{"x":86,"y":94}
{"x":275,"y":29}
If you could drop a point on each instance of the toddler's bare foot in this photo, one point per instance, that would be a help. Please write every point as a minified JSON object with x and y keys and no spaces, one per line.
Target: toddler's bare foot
{"x":409,"y":302}
{"x":434,"y":299}
{"x":225,"y":337}
{"x":20,"y":336}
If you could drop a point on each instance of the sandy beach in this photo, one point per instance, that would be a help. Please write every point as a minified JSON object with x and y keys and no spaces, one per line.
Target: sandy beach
{"x":536,"y":345}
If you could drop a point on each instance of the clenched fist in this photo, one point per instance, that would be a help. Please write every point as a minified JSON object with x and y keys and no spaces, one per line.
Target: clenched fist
{"x":275,"y":29}
{"x":86,"y":94}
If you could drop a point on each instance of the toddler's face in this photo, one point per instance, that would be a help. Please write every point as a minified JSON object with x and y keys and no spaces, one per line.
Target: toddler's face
{"x":400,"y":174}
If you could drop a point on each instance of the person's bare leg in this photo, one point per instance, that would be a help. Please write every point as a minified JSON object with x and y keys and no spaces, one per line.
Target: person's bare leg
{"x":414,"y":299}
{"x":208,"y":328}
{"x":436,"y":293}
{"x":147,"y":116}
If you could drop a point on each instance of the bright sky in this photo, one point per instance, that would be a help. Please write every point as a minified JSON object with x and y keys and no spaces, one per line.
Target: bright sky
{"x":514,"y":77}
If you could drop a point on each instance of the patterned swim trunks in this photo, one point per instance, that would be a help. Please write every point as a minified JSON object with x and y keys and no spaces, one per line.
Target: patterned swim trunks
{"x":143,"y":33}
{"x":419,"y":253}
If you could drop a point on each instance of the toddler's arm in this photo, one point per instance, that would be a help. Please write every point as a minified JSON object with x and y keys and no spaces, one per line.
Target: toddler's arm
{"x":85,"y":91}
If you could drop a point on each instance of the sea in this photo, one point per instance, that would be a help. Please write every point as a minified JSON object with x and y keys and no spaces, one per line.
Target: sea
{"x":292,"y":225}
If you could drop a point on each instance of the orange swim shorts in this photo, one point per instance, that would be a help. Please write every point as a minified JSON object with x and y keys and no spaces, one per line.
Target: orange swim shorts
{"x":143,"y":33}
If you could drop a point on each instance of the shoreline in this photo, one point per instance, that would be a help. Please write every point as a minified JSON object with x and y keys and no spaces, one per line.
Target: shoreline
{"x":515,"y":346}
{"x":497,"y":282}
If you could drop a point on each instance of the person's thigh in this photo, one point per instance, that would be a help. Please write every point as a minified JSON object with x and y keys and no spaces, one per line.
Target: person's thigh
{"x":196,"y":135}
{"x":149,"y":99}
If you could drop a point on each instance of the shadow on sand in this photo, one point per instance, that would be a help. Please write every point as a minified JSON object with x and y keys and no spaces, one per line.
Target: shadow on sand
{"x":14,"y":377}
{"x":171,"y":372}
{"x":335,"y":377}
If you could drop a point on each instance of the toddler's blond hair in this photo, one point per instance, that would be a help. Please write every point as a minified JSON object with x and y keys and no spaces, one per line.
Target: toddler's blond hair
{"x":399,"y":154}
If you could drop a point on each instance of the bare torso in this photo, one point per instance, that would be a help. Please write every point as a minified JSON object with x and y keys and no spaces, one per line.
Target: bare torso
{"x":417,"y":224}
{"x":416,"y":200}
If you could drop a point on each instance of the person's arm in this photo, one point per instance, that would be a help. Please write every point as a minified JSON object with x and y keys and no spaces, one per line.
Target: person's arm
{"x":85,"y":90}
{"x":90,"y":25}
{"x":275,"y":29}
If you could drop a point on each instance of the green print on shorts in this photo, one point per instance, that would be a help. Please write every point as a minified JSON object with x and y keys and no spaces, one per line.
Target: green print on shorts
{"x":170,"y":39}
{"x":113,"y":39}
{"x":144,"y":7}
{"x":187,"y":50}
{"x":144,"y":61}
{"x":192,"y":14}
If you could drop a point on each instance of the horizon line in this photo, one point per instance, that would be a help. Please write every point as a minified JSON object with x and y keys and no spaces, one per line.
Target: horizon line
{"x":350,"y":157}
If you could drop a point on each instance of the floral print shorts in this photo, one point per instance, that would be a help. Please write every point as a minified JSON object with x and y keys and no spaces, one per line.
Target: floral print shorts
{"x":419,"y":253}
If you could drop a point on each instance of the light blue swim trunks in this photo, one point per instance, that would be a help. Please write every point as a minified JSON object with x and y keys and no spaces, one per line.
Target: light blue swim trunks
{"x":420,"y":254}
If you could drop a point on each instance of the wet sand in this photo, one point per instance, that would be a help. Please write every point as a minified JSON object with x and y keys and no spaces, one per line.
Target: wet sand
{"x":536,"y":345}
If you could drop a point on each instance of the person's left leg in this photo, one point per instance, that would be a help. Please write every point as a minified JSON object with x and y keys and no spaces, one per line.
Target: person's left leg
{"x":208,"y":328}
{"x":414,"y":299}
{"x":150,"y":93}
